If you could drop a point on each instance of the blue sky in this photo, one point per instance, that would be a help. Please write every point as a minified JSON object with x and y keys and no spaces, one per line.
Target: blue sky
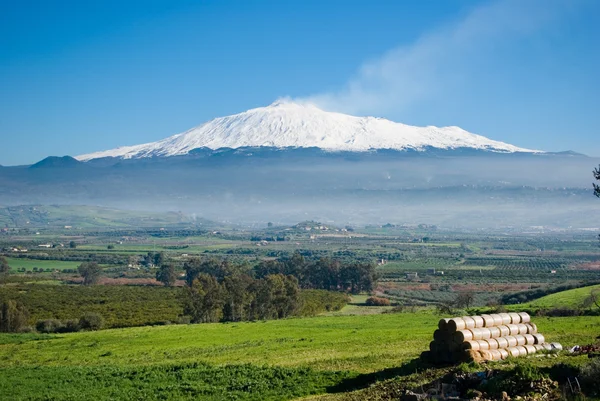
{"x":78,"y":77}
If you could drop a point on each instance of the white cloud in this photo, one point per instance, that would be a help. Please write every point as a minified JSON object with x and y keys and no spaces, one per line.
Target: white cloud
{"x":436,"y":61}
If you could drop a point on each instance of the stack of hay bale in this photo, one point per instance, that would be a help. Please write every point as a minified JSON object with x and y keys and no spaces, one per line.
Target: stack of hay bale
{"x":486,"y":337}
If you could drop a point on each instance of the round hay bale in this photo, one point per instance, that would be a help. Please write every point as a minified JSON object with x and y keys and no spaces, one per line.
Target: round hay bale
{"x":533,"y":329}
{"x":495,"y":332}
{"x":547,"y":346}
{"x":483,"y":345}
{"x":529,"y":339}
{"x":502,"y":342}
{"x":503,"y":353}
{"x":434,"y":346}
{"x":485,"y":333}
{"x":471,"y":345}
{"x":488,"y":321}
{"x":525,"y":318}
{"x":523,"y":329}
{"x":426,"y":356}
{"x":556,"y":346}
{"x":456,"y":323}
{"x":530,"y":349}
{"x":469,"y":322}
{"x":478,"y":321}
{"x":512,"y":341}
{"x":477,"y":334}
{"x":539,"y":347}
{"x":497,"y":319}
{"x":522,"y":350}
{"x":496,"y":355}
{"x":463,"y":335}
{"x":513,"y":329}
{"x":505,"y":318}
{"x":520,"y":340}
{"x":492,"y":343}
{"x":504,"y":331}
{"x":515,"y":318}
{"x":441,"y":336}
{"x":514,"y":352}
{"x":539,"y":338}
{"x":443,"y":324}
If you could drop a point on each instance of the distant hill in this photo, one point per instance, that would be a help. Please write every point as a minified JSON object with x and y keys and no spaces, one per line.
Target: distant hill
{"x":90,"y":217}
{"x":56,"y":161}
{"x":570,"y":298}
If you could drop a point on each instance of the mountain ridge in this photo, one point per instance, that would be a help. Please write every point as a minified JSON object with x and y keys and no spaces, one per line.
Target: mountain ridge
{"x":288,"y":124}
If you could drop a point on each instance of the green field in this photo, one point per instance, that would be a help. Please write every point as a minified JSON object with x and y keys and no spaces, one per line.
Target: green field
{"x":147,"y":361}
{"x":571,"y":298}
{"x":29,"y":264}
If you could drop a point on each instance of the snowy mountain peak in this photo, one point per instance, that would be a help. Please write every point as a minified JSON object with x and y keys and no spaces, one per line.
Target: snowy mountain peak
{"x":286,"y":123}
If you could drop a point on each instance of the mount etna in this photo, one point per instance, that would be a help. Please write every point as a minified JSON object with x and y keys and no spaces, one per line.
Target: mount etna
{"x":291,"y":161}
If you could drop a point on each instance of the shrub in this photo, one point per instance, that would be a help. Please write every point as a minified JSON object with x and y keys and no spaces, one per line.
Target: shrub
{"x":590,"y":372}
{"x":378,"y":301}
{"x":559,"y":312}
{"x":48,"y":326}
{"x":13,"y":316}
{"x":91,"y":321}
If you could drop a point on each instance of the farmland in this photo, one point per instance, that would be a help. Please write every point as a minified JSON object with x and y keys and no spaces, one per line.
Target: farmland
{"x":148,"y":350}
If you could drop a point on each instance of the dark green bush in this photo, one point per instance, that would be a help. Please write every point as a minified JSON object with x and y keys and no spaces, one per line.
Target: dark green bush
{"x":91,"y":321}
{"x":49,"y":326}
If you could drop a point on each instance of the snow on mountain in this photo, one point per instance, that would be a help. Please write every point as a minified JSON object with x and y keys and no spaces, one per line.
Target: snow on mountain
{"x":289,"y":124}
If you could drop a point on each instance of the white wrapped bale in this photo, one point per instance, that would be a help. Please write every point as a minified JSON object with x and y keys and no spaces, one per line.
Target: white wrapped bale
{"x":488,"y":321}
{"x":523,"y":329}
{"x":529,"y":339}
{"x":456,"y":324}
{"x":525,"y":318}
{"x":530,"y":349}
{"x":505,"y":318}
{"x":492,"y":343}
{"x":502,"y":342}
{"x":514,"y":352}
{"x":485,"y":333}
{"x":469,"y":322}
{"x":513,"y":329}
{"x":497,"y":319}
{"x":520,"y":340}
{"x":504,"y":331}
{"x":515,"y":318}
{"x":463,"y":335}
{"x":539,"y":338}
{"x":495,"y":332}
{"x":478,"y":321}
{"x":512,"y":341}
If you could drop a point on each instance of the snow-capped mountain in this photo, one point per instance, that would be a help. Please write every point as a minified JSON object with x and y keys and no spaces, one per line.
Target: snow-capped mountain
{"x":286,"y":124}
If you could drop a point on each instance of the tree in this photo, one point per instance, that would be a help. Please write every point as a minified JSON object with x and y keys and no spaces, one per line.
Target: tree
{"x":90,"y":271}
{"x":4,"y":267}
{"x":166,"y":274}
{"x":13,"y":317}
{"x":238,"y":298}
{"x":205,"y":300}
{"x":464,"y":299}
{"x":72,"y":245}
{"x":592,"y":299}
{"x":597,"y":177}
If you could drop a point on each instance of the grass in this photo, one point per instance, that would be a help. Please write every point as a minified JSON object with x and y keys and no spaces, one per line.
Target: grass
{"x":275,"y":360}
{"x":191,"y":381}
{"x":570,"y":298}
{"x":29,"y":264}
